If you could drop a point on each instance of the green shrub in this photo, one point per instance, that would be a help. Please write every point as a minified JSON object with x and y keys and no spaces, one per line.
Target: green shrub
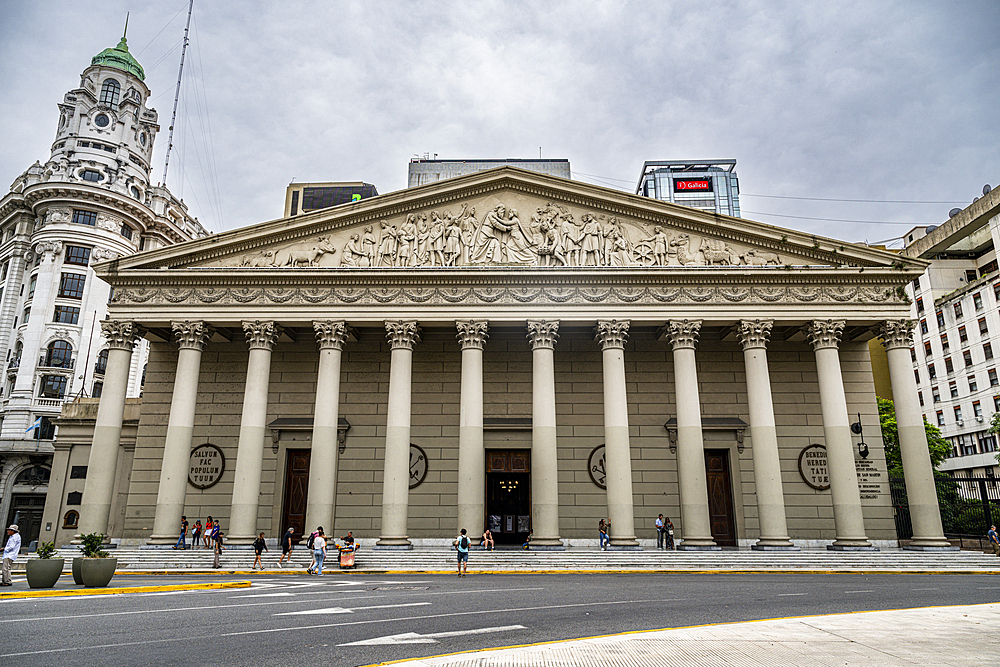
{"x":92,"y":546}
{"x":46,"y":550}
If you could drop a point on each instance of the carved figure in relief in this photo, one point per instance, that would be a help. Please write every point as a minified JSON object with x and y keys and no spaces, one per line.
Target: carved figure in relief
{"x":685,"y":256}
{"x":309,"y":257}
{"x":353,"y":253}
{"x":760,"y":258}
{"x":467,"y":223}
{"x":487,"y":246}
{"x":387,"y":246}
{"x":436,"y":239}
{"x":406,"y":239}
{"x":421,"y":247}
{"x":660,"y":244}
{"x":520,"y":242}
{"x":592,"y":240}
{"x":368,"y":246}
{"x":258,"y":260}
{"x":551,"y":249}
{"x":717,"y":251}
{"x":620,"y":253}
{"x":452,"y":242}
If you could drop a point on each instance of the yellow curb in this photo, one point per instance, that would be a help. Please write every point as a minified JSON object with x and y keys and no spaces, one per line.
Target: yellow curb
{"x":8,"y":595}
{"x":680,"y":571}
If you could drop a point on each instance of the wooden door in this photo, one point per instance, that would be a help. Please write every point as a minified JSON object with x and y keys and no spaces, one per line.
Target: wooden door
{"x":720,"y":497}
{"x":296,"y":489}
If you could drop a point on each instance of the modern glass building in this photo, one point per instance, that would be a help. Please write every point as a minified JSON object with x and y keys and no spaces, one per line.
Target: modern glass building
{"x":423,"y":171}
{"x":709,"y":185}
{"x":309,"y":197}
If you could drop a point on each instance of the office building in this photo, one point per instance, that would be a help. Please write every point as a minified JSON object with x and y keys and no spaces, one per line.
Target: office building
{"x":308,"y":197}
{"x":708,"y":185}
{"x":422,"y":170}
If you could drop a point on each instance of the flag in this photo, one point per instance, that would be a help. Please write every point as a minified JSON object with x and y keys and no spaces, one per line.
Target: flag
{"x":37,"y":424}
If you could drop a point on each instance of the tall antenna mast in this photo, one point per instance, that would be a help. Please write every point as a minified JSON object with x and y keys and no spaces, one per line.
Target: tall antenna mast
{"x":177,"y":94}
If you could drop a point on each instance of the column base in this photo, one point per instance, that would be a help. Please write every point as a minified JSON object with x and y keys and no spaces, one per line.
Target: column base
{"x":698,"y":547}
{"x":624,"y":544}
{"x":774,"y":547}
{"x":546,"y":547}
{"x":850,"y":547}
{"x":393,"y":544}
{"x":163,"y":540}
{"x":928,"y":547}
{"x":235,"y":540}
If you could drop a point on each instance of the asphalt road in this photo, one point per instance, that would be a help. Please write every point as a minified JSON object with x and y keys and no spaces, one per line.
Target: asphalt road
{"x":359,"y":620}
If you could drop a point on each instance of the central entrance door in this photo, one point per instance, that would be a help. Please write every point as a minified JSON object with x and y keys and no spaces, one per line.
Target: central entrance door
{"x":508,"y":496}
{"x":293,"y":511}
{"x":720,"y":497}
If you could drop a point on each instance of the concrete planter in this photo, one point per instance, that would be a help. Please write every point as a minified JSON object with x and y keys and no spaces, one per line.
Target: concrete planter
{"x":43,"y":572}
{"x":97,"y":572}
{"x":77,"y":573}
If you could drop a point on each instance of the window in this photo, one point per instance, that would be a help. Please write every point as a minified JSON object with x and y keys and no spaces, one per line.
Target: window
{"x":85,"y":217}
{"x":127,"y":232}
{"x":53,"y":386}
{"x":27,"y":313}
{"x":930,"y":371}
{"x":958,"y":310}
{"x":77,"y":255}
{"x":963,"y":335}
{"x":940,"y":318}
{"x":977,"y":409}
{"x":948,"y":366}
{"x":977,"y":300}
{"x":4,"y":269}
{"x":987,"y":268}
{"x":936,"y":394}
{"x":983,"y":329}
{"x":970,"y":275}
{"x":920,"y":305}
{"x":98,"y":389}
{"x":31,"y":285}
{"x":958,"y":414}
{"x":996,"y":403}
{"x":102,"y":363}
{"x":92,"y":175}
{"x":996,"y":292}
{"x":920,"y":397}
{"x":916,"y":284}
{"x":913,"y":355}
{"x":967,"y":357}
{"x":71,"y":285}
{"x":35,"y":476}
{"x":992,"y":373}
{"x":74,"y":498}
{"x":944,"y":342}
{"x":110,"y":92}
{"x":72,"y":519}
{"x":940,"y":418}
{"x":928,"y":352}
{"x":923,"y":326}
{"x":988,"y":350}
{"x":916,"y":375}
{"x":953,"y":389}
{"x":972,"y":383}
{"x":78,"y":472}
{"x":59,"y":354}
{"x":67,"y":315}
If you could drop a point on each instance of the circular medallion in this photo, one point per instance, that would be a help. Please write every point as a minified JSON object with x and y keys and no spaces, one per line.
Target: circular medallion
{"x":102,"y":120}
{"x":207,"y":465}
{"x":814,"y":468}
{"x":595,"y":466}
{"x":418,"y":465}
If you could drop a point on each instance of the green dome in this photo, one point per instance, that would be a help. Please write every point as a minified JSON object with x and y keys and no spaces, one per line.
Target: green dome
{"x":120,"y":58}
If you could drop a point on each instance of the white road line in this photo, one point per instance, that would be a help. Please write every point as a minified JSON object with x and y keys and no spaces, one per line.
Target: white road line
{"x":262,"y":595}
{"x":845,"y":592}
{"x":349,"y":610}
{"x":432,"y":638}
{"x":925,"y":589}
{"x":785,"y":595}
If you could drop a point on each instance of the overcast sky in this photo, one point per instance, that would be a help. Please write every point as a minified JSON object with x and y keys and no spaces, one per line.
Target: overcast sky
{"x":887,"y":100}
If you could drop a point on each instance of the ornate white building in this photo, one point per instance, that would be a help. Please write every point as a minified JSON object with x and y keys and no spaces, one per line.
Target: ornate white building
{"x":513,"y":350}
{"x":91,"y":201}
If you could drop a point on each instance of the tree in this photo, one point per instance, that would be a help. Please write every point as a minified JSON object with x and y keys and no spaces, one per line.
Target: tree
{"x":995,"y":428}
{"x":937,"y":446}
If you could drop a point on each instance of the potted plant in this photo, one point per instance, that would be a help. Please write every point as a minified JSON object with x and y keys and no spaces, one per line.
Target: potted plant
{"x":44,"y":571}
{"x":96,"y":568}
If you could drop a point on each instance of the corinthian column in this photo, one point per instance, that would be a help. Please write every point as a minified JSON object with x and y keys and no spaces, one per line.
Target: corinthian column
{"x":472,"y":335}
{"x":850,"y":524}
{"x":95,"y":509}
{"x":321,"y":496}
{"x":261,"y":337}
{"x":611,"y":334}
{"x":396,"y":480}
{"x":191,"y":338}
{"x":753,"y":336}
{"x":544,"y":453}
{"x":692,"y":481}
{"x":921,"y":493}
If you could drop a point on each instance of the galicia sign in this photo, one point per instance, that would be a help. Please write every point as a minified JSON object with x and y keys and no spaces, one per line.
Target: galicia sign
{"x":704,"y":186}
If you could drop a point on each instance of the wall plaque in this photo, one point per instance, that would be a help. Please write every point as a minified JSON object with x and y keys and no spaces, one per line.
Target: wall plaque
{"x":814,"y":468}
{"x":207,"y":465}
{"x":595,"y":466}
{"x":418,"y":465}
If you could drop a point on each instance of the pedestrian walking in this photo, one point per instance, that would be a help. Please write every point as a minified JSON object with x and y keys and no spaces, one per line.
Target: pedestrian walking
{"x":181,"y":544}
{"x":286,"y":546}
{"x":10,"y":552}
{"x":992,"y":535}
{"x":602,"y":534}
{"x":196,"y":534}
{"x":218,"y":549}
{"x":319,"y":554}
{"x":207,"y":539}
{"x":669,"y":529}
{"x":660,"y":532}
{"x":310,"y":545}
{"x":259,"y":545}
{"x":461,"y":544}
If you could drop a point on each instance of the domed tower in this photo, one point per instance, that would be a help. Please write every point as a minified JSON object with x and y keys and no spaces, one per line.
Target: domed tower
{"x":91,"y":201}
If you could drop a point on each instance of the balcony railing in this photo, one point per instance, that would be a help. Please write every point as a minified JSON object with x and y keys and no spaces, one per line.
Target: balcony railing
{"x":56,"y":361}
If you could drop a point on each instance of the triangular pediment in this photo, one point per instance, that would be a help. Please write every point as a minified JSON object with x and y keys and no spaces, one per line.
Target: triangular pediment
{"x":511,"y":217}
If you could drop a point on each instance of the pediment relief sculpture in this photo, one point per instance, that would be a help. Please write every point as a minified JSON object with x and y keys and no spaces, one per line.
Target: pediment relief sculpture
{"x":552,"y":235}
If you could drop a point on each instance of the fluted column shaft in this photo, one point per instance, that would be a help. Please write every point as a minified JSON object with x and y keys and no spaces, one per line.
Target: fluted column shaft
{"x":261,"y":337}
{"x":544,"y":445}
{"x":753,"y":335}
{"x":692,"y":480}
{"x":472,"y":335}
{"x":396,"y":480}
{"x":321,"y":496}
{"x":611,"y":334}
{"x":191,"y":338}
{"x":95,"y":509}
{"x":848,"y":518}
{"x":921,"y":492}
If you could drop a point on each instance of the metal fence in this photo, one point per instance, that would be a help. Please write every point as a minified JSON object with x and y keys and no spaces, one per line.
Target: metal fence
{"x":969,"y":505}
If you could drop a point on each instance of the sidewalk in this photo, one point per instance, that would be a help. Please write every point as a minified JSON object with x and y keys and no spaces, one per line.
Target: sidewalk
{"x":938,"y":636}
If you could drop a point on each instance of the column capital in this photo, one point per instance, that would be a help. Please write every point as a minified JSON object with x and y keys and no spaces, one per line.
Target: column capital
{"x":611,"y":333}
{"x":472,"y":333}
{"x":682,"y":333}
{"x":402,"y":334}
{"x":895,"y":333}
{"x":191,"y":335}
{"x":543,"y":333}
{"x":121,"y":335}
{"x":261,"y":335}
{"x":824,"y":334}
{"x":754,"y":333}
{"x":330,"y":334}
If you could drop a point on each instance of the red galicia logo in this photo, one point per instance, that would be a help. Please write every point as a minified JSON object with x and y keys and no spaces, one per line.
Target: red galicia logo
{"x":692,"y":185}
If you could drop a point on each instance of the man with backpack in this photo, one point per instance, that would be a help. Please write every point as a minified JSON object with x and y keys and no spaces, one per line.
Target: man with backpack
{"x":462,"y":546}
